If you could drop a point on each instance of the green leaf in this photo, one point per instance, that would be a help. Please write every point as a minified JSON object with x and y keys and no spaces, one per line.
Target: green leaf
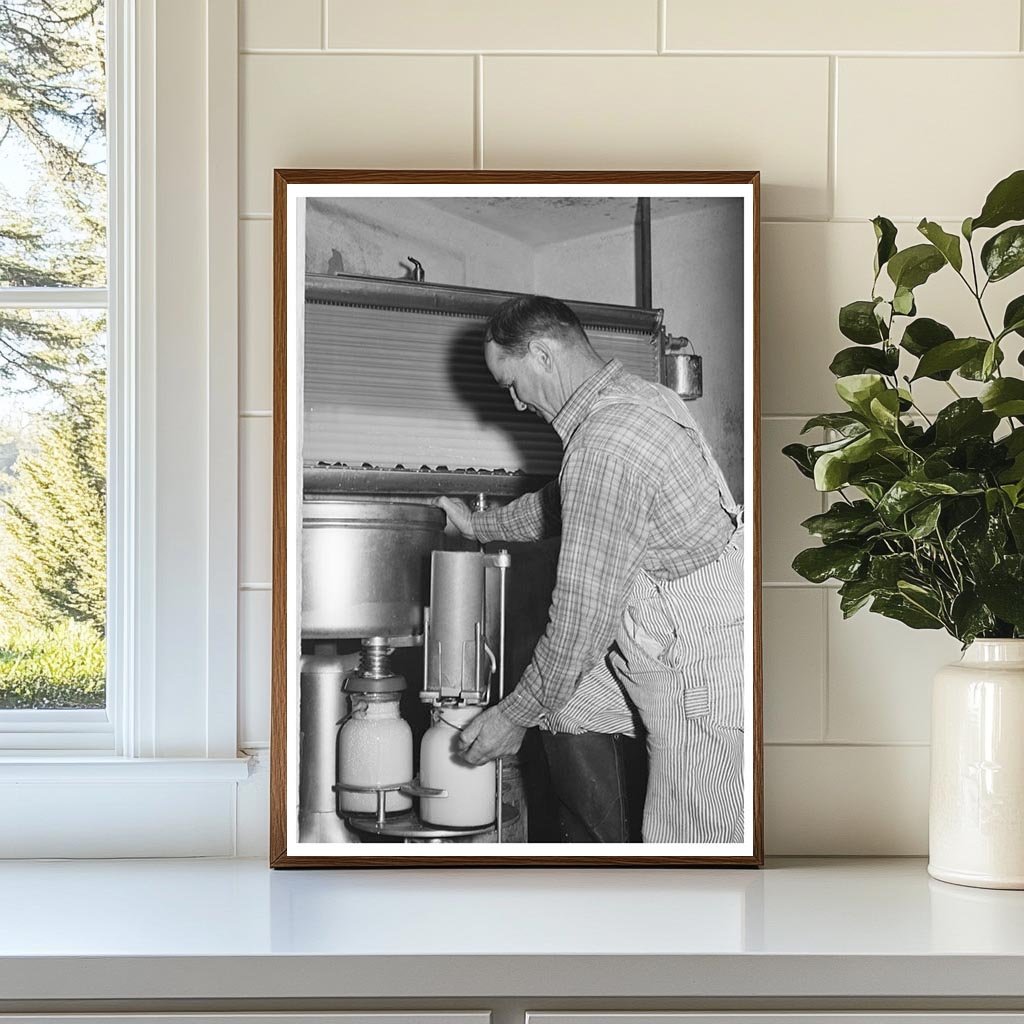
{"x":858,"y":389}
{"x":903,"y":302}
{"x":843,"y":521}
{"x":974,"y":368}
{"x":950,"y":355}
{"x":925,"y":518}
{"x":966,"y":417}
{"x":1005,"y":202}
{"x":1003,"y":254}
{"x":963,"y":482}
{"x":1015,"y":519}
{"x":1004,"y":397}
{"x":965,"y":229}
{"x":885,"y":236}
{"x":818,"y":450}
{"x":831,"y":471}
{"x":1013,"y":317}
{"x":899,"y":608}
{"x":800,"y":456}
{"x":1006,"y":599}
{"x":857,"y":321}
{"x":923,"y":335}
{"x":849,"y":361}
{"x":996,"y":500}
{"x":840,"y":561}
{"x":864,"y":446}
{"x":906,"y":494}
{"x":878,"y":471}
{"x":841,"y":421}
{"x":912,"y":267}
{"x":947,"y":244}
{"x":990,"y":360}
{"x":971,"y":617}
{"x":885,"y":409}
{"x":887,"y":570}
{"x":854,"y":595}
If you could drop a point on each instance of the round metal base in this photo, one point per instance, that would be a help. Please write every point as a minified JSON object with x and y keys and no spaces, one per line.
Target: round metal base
{"x":409,"y":828}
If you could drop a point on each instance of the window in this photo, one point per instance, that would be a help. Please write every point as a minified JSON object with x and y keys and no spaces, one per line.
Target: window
{"x":167,"y":288}
{"x":53,"y":369}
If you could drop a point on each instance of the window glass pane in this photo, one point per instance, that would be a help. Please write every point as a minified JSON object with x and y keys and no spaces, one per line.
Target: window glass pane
{"x":52,"y":508}
{"x":53,"y":150}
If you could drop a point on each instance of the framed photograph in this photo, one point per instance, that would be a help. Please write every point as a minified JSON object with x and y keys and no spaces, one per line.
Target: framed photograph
{"x":516,"y":556}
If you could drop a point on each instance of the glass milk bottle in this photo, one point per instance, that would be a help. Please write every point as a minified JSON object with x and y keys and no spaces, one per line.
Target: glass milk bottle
{"x":374,"y":749}
{"x":471,"y":788}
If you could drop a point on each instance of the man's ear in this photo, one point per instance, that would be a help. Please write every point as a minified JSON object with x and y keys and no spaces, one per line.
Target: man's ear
{"x":542,"y":351}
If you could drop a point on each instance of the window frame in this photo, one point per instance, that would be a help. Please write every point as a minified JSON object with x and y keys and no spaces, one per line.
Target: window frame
{"x":173,"y":467}
{"x":93,"y":729}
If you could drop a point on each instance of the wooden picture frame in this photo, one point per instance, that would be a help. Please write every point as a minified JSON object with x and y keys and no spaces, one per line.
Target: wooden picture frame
{"x":320,"y":224}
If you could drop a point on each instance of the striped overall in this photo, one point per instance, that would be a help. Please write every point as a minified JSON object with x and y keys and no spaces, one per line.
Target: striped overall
{"x":677,"y":663}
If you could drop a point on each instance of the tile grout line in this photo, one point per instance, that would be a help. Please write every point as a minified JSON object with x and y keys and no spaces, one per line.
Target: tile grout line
{"x":831,"y":172}
{"x":1020,"y":20}
{"x":662,"y":27}
{"x":478,"y":111}
{"x":854,"y":744}
{"x":323,"y":25}
{"x":768,"y":55}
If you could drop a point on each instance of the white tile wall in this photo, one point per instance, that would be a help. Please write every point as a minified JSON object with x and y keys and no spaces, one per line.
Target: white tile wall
{"x":846,"y":800}
{"x":699,"y":113}
{"x":350,"y":111}
{"x":969,"y":110}
{"x":261,"y":25}
{"x":793,"y":630}
{"x":787,"y":499}
{"x":879,"y":677}
{"x":909,"y":110}
{"x":878,"y":25}
{"x":471,"y":25}
{"x":256,"y":304}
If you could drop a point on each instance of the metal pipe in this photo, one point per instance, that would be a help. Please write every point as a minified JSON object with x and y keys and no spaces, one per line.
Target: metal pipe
{"x":503,"y":559}
{"x":643,"y":252}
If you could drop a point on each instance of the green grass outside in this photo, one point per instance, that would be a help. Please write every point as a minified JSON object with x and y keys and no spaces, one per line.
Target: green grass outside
{"x":60,"y":667}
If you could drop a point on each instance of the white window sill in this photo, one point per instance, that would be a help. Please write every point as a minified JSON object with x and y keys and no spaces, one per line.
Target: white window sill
{"x":79,"y":767}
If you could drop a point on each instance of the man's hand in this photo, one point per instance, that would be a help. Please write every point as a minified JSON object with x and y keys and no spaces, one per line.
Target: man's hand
{"x":489,"y":736}
{"x":459,"y":515}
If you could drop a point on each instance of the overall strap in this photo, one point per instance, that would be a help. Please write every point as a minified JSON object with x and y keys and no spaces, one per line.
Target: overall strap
{"x":662,"y":400}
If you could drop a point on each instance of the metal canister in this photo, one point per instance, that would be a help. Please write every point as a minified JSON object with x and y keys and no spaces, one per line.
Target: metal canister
{"x":682,"y":369}
{"x":365,"y":567}
{"x":322,"y":706}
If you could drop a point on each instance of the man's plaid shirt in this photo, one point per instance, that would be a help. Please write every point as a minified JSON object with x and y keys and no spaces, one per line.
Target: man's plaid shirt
{"x":634,"y":492}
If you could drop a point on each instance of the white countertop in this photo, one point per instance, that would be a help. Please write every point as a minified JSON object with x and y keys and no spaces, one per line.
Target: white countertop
{"x":234,"y":929}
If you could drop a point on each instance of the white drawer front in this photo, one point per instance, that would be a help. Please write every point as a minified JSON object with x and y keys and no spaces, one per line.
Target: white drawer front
{"x":360,"y":1017}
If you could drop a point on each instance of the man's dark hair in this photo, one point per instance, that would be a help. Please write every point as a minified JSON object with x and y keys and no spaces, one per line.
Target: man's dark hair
{"x":515,"y":323}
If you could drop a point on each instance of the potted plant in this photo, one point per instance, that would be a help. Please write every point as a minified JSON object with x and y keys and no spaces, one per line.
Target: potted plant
{"x":927,"y":521}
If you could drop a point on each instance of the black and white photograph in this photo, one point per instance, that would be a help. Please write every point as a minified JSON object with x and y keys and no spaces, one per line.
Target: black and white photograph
{"x":515,"y":533}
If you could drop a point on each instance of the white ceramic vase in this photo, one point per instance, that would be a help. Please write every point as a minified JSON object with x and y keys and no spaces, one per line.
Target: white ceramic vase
{"x":976,"y":812}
